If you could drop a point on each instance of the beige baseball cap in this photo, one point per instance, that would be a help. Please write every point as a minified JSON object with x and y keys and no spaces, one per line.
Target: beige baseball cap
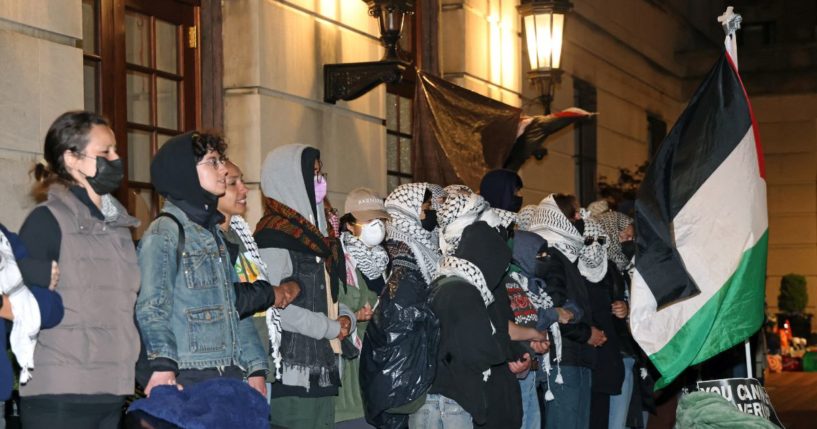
{"x":364,"y":204}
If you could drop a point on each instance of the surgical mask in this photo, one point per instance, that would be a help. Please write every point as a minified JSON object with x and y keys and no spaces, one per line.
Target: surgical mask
{"x":430,"y":221}
{"x":320,"y":188}
{"x":373,"y":233}
{"x":109,"y":175}
{"x":628,"y":248}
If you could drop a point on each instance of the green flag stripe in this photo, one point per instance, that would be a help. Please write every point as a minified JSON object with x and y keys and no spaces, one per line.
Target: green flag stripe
{"x":733,"y":314}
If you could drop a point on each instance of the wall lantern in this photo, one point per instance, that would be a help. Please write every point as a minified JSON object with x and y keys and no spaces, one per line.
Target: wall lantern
{"x":352,"y":80}
{"x":544,"y":23}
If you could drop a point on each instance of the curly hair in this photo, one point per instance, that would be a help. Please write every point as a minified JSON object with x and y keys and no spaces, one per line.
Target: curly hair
{"x":206,"y":141}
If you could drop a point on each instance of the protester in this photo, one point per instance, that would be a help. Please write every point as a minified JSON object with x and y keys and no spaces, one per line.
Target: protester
{"x":398,"y":358}
{"x":501,"y":189}
{"x":472,"y":364}
{"x":363,"y":227}
{"x":186,"y":309}
{"x":249,"y":267}
{"x":85,"y":364}
{"x":605,"y":287}
{"x":293,"y":242}
{"x":570,"y":384}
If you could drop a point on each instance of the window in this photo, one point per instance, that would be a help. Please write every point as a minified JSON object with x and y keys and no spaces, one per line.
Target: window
{"x":399,"y":114}
{"x":656,"y":131}
{"x":585,"y":143}
{"x":92,"y":60}
{"x":398,"y":140}
{"x":140,"y":72}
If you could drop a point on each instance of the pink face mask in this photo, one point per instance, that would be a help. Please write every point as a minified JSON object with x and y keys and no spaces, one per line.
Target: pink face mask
{"x":320,"y":189}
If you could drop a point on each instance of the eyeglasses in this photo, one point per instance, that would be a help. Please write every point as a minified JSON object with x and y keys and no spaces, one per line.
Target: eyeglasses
{"x":600,"y":239}
{"x":214,"y":162}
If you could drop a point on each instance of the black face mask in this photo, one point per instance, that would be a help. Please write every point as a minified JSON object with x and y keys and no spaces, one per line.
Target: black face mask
{"x":628,"y":248}
{"x":430,"y":221}
{"x":109,"y":175}
{"x":516,"y":204}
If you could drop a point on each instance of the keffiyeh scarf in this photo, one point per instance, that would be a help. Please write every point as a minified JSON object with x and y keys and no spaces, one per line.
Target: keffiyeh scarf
{"x":437,"y":196}
{"x":551,"y":224}
{"x":613,"y":223}
{"x":273,"y":315}
{"x":593,"y":257}
{"x":404,"y":205}
{"x":524,"y":217}
{"x":466,"y":270}
{"x":371,"y":261}
{"x":458,"y":211}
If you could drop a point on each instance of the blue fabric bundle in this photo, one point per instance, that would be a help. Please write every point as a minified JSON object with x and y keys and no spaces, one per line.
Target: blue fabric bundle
{"x":214,"y":403}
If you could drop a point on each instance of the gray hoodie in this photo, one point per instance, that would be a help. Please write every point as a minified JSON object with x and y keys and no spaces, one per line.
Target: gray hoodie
{"x":282,"y":179}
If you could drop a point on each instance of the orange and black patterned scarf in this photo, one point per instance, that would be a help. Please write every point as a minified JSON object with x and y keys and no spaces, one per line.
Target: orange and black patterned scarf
{"x":284,"y":228}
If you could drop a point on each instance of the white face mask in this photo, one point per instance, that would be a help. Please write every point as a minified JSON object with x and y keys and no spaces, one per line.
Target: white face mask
{"x":373,"y":233}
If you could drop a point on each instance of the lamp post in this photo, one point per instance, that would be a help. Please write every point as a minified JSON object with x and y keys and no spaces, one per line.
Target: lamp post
{"x":544,"y":23}
{"x":352,"y":80}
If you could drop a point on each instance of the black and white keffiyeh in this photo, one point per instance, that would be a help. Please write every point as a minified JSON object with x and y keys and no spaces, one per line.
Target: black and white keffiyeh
{"x":613,"y":223}
{"x":371,"y":261}
{"x":466,"y":270}
{"x":593,"y":256}
{"x":437,"y":196}
{"x":404,"y":205}
{"x":273,"y":315}
{"x":459,"y":210}
{"x":551,"y":224}
{"x":525,"y":216}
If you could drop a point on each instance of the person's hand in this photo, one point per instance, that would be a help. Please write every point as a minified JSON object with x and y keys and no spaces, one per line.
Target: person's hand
{"x":540,"y":347}
{"x":55,"y":276}
{"x":345,"y":327}
{"x":259,"y":383}
{"x":539,"y":335}
{"x":620,"y":309}
{"x":597,"y":337}
{"x":364,"y":313}
{"x":520,"y":366}
{"x":565,"y":315}
{"x":285,"y":293}
{"x":161,"y":378}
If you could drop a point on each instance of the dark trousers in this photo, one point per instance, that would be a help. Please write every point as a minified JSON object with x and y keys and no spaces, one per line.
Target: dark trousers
{"x":71,"y":411}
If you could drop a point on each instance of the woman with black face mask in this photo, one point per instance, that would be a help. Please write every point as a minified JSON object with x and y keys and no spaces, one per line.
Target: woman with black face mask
{"x":84,"y":365}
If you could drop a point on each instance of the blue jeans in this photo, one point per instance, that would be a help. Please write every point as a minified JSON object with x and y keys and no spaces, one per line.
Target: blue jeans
{"x":570,"y":408}
{"x":531,"y":418}
{"x":620,"y":404}
{"x":440,"y":412}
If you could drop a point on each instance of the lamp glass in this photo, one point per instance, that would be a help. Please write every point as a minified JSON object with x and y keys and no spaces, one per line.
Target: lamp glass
{"x":543,"y":34}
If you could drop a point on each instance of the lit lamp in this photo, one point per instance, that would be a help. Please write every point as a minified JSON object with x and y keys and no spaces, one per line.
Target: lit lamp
{"x":544,"y":22}
{"x":352,"y":80}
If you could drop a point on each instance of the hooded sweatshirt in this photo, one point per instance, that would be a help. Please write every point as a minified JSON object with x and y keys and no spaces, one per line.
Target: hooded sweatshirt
{"x":309,"y":363}
{"x":499,"y":188}
{"x":173,"y":174}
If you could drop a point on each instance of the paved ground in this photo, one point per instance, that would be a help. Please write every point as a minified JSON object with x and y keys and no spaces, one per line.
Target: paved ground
{"x":794,"y":396}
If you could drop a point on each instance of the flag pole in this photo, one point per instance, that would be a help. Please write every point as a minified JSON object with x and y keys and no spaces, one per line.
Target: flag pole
{"x":731,"y":24}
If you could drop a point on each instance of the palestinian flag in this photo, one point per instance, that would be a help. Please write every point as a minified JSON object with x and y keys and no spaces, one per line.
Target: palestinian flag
{"x":702,"y":231}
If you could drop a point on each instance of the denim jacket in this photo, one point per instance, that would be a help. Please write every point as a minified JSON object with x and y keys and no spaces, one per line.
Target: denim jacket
{"x":188,"y":315}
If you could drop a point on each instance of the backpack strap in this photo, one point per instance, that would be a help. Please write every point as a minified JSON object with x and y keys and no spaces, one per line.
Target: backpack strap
{"x":180,"y":246}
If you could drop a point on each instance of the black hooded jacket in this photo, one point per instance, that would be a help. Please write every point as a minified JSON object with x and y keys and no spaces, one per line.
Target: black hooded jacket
{"x":474,"y":338}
